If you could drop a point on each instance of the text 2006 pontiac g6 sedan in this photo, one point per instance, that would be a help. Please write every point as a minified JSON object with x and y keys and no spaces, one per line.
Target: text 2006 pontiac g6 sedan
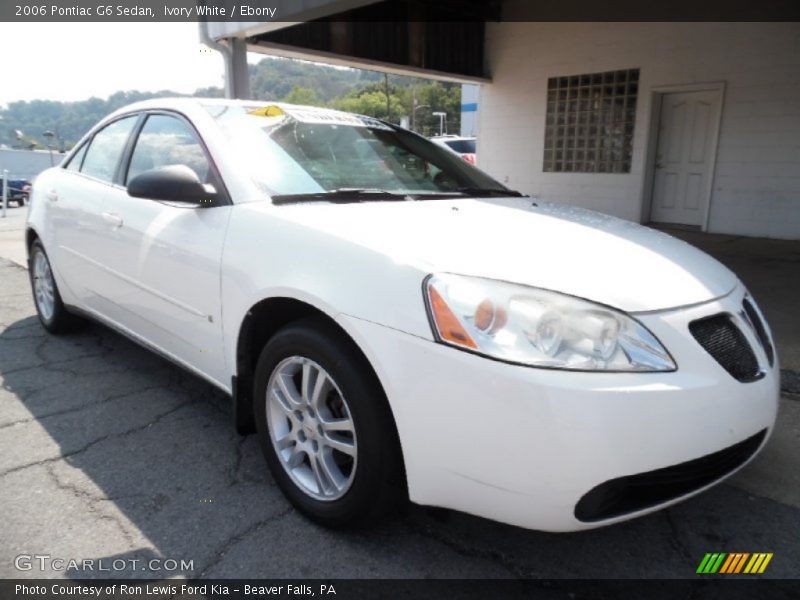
{"x":396,"y":324}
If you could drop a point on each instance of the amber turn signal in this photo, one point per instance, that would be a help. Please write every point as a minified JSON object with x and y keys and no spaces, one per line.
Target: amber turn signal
{"x":447,"y":324}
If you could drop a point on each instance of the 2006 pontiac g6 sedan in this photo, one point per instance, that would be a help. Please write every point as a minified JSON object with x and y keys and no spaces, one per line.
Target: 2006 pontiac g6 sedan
{"x":394,"y":324}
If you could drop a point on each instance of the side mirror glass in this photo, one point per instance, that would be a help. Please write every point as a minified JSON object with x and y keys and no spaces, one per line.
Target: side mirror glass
{"x":175,"y":183}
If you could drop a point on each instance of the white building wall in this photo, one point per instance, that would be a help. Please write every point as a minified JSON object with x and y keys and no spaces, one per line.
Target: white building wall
{"x":756,"y":188}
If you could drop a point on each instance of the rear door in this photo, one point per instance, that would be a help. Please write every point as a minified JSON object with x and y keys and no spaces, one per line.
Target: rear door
{"x":75,"y":220}
{"x":166,"y":257}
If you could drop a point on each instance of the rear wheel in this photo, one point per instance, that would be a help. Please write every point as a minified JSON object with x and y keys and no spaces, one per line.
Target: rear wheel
{"x":325,"y":427}
{"x":52,"y":313}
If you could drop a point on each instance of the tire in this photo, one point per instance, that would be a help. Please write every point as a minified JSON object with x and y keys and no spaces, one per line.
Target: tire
{"x":52,"y":313}
{"x":354,"y":490}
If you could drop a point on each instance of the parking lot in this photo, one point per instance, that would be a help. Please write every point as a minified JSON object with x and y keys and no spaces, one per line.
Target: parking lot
{"x":109,"y":452}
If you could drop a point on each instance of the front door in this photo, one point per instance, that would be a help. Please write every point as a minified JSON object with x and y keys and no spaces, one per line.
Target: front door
{"x":683,"y":166}
{"x":166,"y":258}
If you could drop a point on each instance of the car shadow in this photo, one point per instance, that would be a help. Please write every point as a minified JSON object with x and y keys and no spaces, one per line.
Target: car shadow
{"x":111,"y":453}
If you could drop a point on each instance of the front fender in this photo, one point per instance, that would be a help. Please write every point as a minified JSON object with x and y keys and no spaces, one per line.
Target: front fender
{"x":268,"y":256}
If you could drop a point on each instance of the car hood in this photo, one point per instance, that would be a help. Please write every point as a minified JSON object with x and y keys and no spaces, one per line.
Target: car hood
{"x":552,"y":246}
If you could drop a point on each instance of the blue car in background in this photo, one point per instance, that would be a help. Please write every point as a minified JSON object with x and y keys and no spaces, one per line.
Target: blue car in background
{"x":19,"y":190}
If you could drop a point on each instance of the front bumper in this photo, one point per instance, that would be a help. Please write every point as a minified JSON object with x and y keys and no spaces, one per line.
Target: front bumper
{"x":523,"y":445}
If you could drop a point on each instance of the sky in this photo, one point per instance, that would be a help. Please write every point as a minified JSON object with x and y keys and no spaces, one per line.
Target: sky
{"x":74,"y":61}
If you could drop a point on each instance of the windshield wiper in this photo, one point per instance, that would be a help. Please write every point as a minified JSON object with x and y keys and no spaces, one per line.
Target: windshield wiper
{"x":352,"y":195}
{"x":341,"y":196}
{"x":476,"y":191}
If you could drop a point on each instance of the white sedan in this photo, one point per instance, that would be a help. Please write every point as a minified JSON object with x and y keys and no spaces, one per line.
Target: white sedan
{"x":395,"y":324}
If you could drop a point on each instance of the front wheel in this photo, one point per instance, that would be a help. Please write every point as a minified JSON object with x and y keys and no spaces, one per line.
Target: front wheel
{"x":325,"y":426}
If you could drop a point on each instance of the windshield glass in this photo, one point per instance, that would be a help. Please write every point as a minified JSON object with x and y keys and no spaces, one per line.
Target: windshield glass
{"x":294,"y":150}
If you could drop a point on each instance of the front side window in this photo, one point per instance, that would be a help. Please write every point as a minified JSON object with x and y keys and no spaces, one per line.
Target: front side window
{"x":165,"y":141}
{"x":292,"y":151}
{"x":105,"y":149}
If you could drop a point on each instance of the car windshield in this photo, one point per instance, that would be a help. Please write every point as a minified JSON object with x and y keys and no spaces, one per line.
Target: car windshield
{"x":462,"y":146}
{"x":294,"y":151}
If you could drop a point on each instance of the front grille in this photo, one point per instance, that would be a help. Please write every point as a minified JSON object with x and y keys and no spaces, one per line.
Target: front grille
{"x":725,"y":342}
{"x":632,"y":493}
{"x":760,"y":329}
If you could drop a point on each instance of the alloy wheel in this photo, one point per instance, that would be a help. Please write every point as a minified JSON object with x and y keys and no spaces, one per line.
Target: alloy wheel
{"x":311,"y":428}
{"x":43,"y":285}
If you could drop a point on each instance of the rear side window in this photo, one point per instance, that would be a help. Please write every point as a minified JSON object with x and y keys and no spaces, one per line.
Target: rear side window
{"x":75,"y":162}
{"x":106,"y":147}
{"x":165,"y":141}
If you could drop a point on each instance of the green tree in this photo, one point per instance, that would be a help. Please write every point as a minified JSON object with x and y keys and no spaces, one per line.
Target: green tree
{"x":302,"y":95}
{"x":300,"y":82}
{"x":273,"y":78}
{"x":371,"y":104}
{"x":434,"y":96}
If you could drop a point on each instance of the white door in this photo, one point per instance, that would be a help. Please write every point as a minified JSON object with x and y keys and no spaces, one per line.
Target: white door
{"x":166,"y":259}
{"x":75,"y":202}
{"x":683,"y":165}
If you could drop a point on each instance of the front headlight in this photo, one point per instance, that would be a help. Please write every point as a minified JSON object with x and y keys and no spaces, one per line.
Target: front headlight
{"x":539,"y":328}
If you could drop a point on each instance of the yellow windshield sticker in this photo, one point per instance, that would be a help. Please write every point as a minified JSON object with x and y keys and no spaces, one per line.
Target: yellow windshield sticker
{"x":268,"y":111}
{"x":314,"y":115}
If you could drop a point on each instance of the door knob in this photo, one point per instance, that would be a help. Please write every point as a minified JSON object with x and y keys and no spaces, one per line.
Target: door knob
{"x":52,"y":195}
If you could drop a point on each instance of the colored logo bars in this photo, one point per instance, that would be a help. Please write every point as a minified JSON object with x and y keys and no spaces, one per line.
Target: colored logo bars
{"x":734,"y":562}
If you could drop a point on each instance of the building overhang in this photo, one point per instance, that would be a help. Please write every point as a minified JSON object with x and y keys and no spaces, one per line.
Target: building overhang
{"x":439,"y":39}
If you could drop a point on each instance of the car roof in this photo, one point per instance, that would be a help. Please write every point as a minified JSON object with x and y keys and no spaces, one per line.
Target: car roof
{"x":194,"y":103}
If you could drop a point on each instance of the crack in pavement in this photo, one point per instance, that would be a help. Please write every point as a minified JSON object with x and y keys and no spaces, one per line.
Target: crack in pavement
{"x":203,"y":391}
{"x":27,"y":393}
{"x":92,"y":504}
{"x":82,"y":407}
{"x":500,"y":558}
{"x":237,"y":463}
{"x":57,"y":367}
{"x":48,"y":365}
{"x":235,"y":539}
{"x":99,"y":440}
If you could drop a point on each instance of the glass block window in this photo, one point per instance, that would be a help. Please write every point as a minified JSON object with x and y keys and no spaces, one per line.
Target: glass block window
{"x":589,"y":122}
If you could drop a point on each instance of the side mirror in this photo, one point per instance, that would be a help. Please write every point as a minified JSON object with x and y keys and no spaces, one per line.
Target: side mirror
{"x":175,"y":183}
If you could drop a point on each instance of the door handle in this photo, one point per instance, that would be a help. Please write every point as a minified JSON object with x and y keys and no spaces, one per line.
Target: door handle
{"x":113,"y":218}
{"x":52,"y":195}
